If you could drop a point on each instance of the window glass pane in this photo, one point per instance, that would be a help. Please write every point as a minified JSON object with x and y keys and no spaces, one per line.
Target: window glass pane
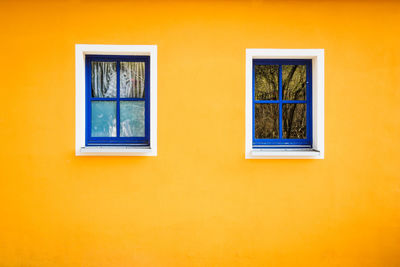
{"x":132,"y":79}
{"x":266,"y":121}
{"x":294,"y":79}
{"x":266,"y":82}
{"x":104,"y":119}
{"x":294,"y":121}
{"x":104,"y":79}
{"x":132,"y":119}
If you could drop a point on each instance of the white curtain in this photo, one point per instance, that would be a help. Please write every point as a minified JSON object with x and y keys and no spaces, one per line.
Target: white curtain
{"x":132,"y":79}
{"x":104,"y":79}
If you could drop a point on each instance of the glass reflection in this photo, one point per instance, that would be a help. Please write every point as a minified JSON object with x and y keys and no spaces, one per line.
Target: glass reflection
{"x":104,"y":119}
{"x":294,"y":78}
{"x":294,"y":121}
{"x":266,"y":82}
{"x":266,"y":121}
{"x":132,"y":119}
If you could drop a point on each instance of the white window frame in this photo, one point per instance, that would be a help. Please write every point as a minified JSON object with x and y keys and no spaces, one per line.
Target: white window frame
{"x":81,"y":50}
{"x":317,"y":150}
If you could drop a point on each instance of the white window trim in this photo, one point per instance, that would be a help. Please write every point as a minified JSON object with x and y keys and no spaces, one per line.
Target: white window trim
{"x":317,"y":56}
{"x":81,"y":50}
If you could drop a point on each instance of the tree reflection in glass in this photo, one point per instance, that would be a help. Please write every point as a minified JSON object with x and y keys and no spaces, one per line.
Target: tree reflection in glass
{"x":266,"y":121}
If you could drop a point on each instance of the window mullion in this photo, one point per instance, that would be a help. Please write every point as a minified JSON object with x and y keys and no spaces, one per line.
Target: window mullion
{"x":280,"y":102}
{"x":294,"y":101}
{"x":118,"y":97}
{"x":266,"y":101}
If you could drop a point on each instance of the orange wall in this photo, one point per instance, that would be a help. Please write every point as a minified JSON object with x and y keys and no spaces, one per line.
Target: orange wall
{"x":199,"y":202}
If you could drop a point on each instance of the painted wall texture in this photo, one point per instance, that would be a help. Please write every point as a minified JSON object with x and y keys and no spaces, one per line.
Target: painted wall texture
{"x":199,"y":202}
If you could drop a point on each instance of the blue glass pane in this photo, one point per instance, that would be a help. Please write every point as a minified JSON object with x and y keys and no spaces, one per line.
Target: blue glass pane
{"x":132,"y":119}
{"x":104,"y":115}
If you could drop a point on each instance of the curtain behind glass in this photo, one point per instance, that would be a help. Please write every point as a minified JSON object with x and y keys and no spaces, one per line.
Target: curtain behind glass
{"x":104,"y":79}
{"x":132,"y":79}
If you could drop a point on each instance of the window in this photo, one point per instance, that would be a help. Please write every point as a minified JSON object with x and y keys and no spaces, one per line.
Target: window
{"x":284,"y":103}
{"x":116,"y":100}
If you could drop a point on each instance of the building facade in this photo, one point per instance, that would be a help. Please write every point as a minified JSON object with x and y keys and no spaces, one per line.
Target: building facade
{"x":199,"y":201}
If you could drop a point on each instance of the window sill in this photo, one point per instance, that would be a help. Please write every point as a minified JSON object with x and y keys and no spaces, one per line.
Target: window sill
{"x":116,"y":151}
{"x":284,"y":154}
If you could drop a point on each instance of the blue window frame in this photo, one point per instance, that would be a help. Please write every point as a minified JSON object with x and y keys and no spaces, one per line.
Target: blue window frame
{"x":134,"y":108}
{"x":282,"y":105}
